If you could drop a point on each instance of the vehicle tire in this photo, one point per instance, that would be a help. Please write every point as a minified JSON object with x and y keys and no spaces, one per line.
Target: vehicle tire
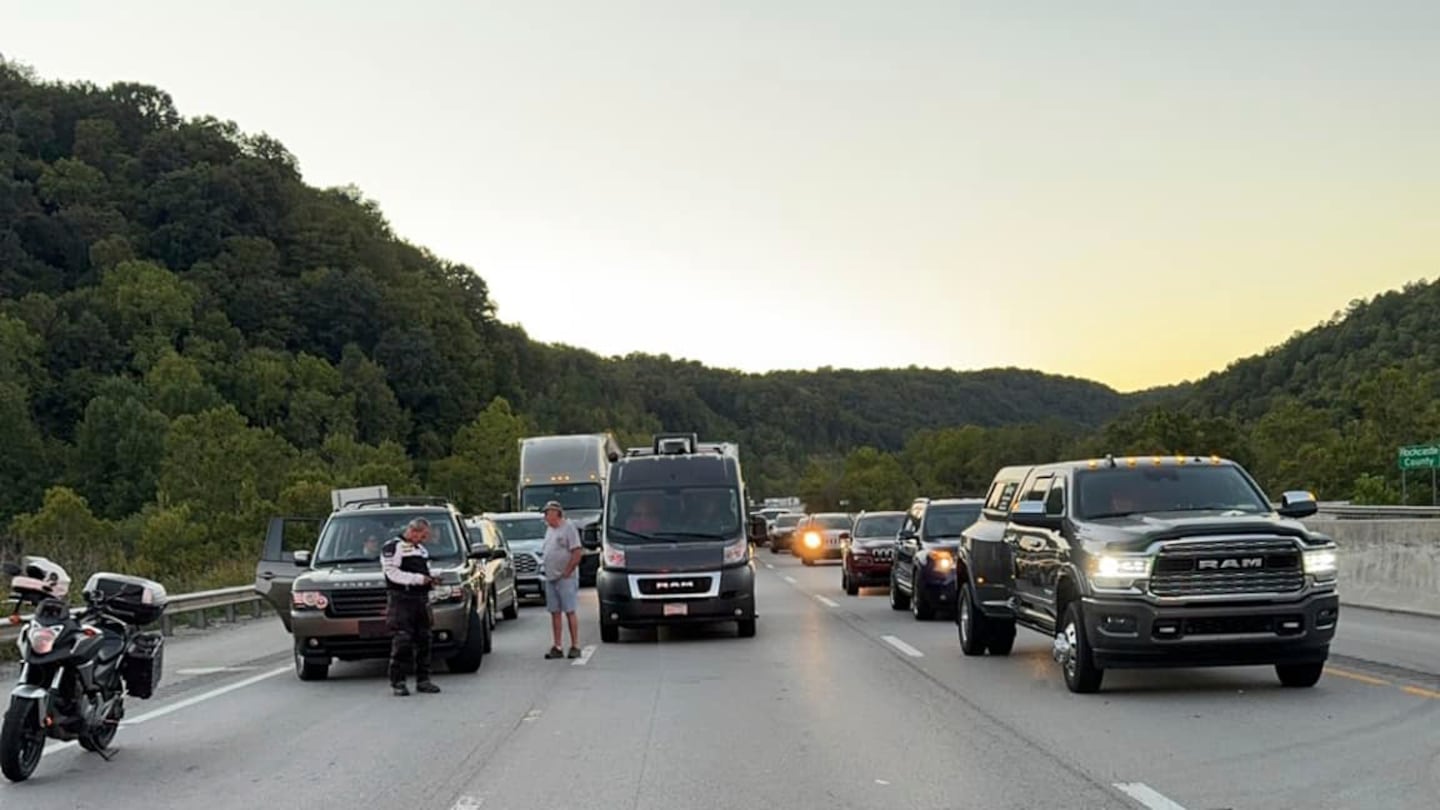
{"x":898,"y":600}
{"x":101,"y":740}
{"x":310,"y":668}
{"x":1001,"y":638}
{"x":472,"y":655}
{"x":774,"y":549}
{"x":490,"y":623}
{"x":1299,"y":676}
{"x":920,"y":605}
{"x":746,"y":628}
{"x":22,"y":741}
{"x":807,"y":561}
{"x":490,"y":620}
{"x":971,"y":625}
{"x":1078,"y":663}
{"x":609,"y":633}
{"x":513,"y":611}
{"x":849,"y":584}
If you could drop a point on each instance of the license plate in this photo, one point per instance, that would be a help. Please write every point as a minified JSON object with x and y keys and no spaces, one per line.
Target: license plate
{"x":677,"y":609}
{"x":374,"y":629}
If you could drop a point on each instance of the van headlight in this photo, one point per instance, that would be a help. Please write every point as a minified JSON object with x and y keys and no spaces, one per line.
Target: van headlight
{"x":613,"y":557}
{"x":737,"y":551}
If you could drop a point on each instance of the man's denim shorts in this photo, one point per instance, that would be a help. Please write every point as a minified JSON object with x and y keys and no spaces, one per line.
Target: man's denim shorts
{"x":562,"y":595}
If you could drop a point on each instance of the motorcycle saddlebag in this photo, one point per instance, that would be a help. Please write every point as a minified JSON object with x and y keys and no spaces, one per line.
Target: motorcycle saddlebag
{"x":143,"y":663}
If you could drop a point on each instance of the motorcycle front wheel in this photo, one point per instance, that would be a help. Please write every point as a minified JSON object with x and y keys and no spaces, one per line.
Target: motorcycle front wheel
{"x":22,"y":740}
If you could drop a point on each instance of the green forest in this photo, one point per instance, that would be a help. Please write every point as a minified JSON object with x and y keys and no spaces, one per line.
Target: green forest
{"x":192,"y":340}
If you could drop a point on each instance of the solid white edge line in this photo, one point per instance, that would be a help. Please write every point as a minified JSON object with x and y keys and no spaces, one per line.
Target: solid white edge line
{"x":585,"y":653}
{"x":790,"y":580}
{"x":903,"y":647}
{"x":1146,"y":795}
{"x":53,"y":746}
{"x":827,"y":601}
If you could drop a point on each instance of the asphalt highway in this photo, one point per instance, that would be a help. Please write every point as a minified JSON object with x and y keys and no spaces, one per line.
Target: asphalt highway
{"x":838,"y":702}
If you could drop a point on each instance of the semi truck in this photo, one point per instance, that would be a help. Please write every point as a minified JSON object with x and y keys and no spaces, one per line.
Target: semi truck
{"x":573,"y":469}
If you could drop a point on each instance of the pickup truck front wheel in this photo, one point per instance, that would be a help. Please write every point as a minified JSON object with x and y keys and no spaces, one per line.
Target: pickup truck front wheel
{"x":1072,"y":651}
{"x":971,"y":624}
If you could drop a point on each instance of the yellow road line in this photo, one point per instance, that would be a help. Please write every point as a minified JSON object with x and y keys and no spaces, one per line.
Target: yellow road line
{"x":1355,"y":676}
{"x":1418,"y":692}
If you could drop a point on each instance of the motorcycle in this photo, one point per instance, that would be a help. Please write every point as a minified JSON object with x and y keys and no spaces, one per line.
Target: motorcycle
{"x":76,"y":670}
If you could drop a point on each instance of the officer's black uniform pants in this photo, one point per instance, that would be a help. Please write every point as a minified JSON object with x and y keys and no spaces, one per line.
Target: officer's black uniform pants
{"x":409,"y":620}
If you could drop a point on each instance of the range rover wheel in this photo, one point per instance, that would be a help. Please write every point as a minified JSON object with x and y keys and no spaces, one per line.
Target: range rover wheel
{"x":970,"y":623}
{"x":472,"y":655}
{"x":1299,"y":676}
{"x":1072,"y":650}
{"x":746,"y":628}
{"x":609,"y":633}
{"x":309,"y":668}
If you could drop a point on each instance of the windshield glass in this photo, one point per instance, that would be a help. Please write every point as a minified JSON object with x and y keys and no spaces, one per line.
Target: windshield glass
{"x":356,"y":538}
{"x":879,"y":525}
{"x":787,"y":521}
{"x":949,"y":521}
{"x":638,"y":515}
{"x":1125,"y":491}
{"x":518,"y":530}
{"x":570,"y":496}
{"x":833,"y":521}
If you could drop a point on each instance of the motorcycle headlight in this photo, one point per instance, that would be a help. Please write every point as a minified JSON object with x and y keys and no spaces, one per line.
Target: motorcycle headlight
{"x":42,"y":640}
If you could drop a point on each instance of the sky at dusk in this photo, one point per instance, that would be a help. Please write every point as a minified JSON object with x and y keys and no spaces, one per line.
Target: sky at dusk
{"x":1133,"y":192}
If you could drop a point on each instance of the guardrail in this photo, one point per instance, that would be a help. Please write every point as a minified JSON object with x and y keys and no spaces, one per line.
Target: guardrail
{"x":1352,"y":512}
{"x":192,"y":605}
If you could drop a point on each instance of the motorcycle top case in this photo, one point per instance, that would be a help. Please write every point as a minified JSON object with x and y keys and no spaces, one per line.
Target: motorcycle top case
{"x":137,"y":600}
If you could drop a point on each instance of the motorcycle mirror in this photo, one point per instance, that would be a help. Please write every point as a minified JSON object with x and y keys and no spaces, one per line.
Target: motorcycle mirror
{"x":12,"y":569}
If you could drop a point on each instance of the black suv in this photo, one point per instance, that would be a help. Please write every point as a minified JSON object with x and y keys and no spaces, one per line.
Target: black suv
{"x":1149,"y":562}
{"x":922,"y":577}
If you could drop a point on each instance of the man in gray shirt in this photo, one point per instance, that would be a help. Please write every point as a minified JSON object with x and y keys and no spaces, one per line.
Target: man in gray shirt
{"x":561,"y":553}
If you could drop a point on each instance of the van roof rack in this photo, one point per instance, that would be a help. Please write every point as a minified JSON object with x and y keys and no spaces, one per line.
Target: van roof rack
{"x":396,"y":500}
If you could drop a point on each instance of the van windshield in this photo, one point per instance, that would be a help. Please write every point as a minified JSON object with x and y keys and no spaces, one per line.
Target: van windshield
{"x":665,"y":515}
{"x":356,"y":538}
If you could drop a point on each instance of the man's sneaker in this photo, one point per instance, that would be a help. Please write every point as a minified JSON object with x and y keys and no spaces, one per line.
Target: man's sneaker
{"x":427,"y":687}
{"x":554,"y":653}
{"x":574,"y":652}
{"x":400,"y":690}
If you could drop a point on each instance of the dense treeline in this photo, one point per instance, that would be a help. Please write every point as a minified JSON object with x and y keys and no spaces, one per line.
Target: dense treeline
{"x":192,"y":339}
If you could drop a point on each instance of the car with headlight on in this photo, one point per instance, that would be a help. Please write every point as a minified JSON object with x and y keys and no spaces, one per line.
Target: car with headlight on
{"x":922,"y":577}
{"x":821,"y":536}
{"x":1155,"y":561}
{"x":329,"y":592}
{"x":870,"y":551}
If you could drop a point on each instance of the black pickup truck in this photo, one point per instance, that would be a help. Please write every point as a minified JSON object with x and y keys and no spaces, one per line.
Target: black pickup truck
{"x":1175,"y":561}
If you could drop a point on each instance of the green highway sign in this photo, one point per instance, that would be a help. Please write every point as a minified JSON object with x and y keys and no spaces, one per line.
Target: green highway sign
{"x":1419,"y":457}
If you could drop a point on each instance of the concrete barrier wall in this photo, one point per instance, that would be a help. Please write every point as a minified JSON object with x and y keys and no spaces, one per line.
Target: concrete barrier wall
{"x":1390,"y":564}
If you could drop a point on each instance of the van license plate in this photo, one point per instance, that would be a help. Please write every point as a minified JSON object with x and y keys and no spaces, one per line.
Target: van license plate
{"x":676,"y":609}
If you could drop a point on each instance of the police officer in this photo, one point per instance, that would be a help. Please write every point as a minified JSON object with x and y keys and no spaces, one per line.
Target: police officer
{"x":406,"y":564}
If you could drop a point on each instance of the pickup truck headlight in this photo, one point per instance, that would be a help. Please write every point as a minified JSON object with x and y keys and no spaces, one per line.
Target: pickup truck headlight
{"x":942,"y":560}
{"x":1117,"y":572}
{"x":1321,"y":563}
{"x":737,"y":551}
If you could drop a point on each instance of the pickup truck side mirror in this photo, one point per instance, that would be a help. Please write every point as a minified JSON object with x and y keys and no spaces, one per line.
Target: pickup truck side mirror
{"x":302,"y":559}
{"x":905,"y":536}
{"x":758,"y":529}
{"x":479,"y":551}
{"x":1298,"y":504}
{"x":1031,"y":514}
{"x":590,"y":537}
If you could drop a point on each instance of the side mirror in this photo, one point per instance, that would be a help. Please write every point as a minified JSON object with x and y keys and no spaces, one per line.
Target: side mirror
{"x":12,"y":569}
{"x":1032,"y":514}
{"x":479,"y":551}
{"x":906,"y":536}
{"x":302,"y":559}
{"x":1298,"y":504}
{"x":590,"y":537}
{"x":507,"y":503}
{"x":758,"y":529}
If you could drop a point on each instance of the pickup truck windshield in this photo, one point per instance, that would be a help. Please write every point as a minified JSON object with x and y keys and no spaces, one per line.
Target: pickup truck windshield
{"x":1127,"y":491}
{"x":666,"y":515}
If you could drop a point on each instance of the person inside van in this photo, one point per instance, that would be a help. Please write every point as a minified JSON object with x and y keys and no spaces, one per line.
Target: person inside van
{"x":644,"y":515}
